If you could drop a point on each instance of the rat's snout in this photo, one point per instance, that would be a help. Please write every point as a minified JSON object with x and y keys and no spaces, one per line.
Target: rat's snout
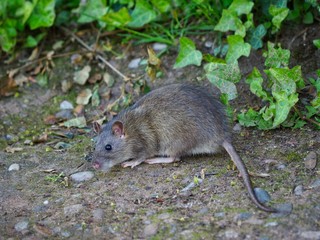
{"x":96,"y":165}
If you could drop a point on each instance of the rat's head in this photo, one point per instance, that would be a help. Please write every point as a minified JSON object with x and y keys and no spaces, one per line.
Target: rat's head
{"x":111,"y":146}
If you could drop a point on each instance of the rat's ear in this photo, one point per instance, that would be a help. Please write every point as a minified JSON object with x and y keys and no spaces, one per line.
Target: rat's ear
{"x":117,"y":129}
{"x":96,"y":127}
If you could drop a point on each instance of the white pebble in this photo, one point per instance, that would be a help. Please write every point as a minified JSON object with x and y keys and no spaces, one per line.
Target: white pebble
{"x":14,"y":167}
{"x":66,"y":105}
{"x":82,"y":176}
{"x":46,"y":202}
{"x":208,"y":44}
{"x":134,"y":63}
{"x":159,"y":46}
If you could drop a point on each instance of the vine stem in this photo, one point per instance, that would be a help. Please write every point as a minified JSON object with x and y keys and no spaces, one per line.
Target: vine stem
{"x":304,"y":117}
{"x":98,"y":54}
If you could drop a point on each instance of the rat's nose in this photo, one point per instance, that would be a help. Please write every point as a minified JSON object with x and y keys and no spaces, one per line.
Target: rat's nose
{"x":96,"y":165}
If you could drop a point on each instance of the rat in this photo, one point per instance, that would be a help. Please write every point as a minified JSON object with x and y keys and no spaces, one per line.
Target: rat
{"x":164,"y":125}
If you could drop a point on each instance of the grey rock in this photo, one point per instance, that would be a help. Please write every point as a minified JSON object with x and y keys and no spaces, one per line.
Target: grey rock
{"x":150,"y":230}
{"x":98,"y":214}
{"x":242,"y":216}
{"x":229,"y":234}
{"x":237,"y":127}
{"x":64,"y":114}
{"x":14,"y":167}
{"x":271,"y":224}
{"x":208,"y":44}
{"x":284,"y":209}
{"x":310,"y":161}
{"x":310,"y":234}
{"x":72,"y":210}
{"x":298,"y":190}
{"x":22,"y":225}
{"x":82,"y":176}
{"x":66,"y":105}
{"x":315,"y":184}
{"x":280,"y":166}
{"x":220,"y":214}
{"x":262,"y":195}
{"x":134,"y":63}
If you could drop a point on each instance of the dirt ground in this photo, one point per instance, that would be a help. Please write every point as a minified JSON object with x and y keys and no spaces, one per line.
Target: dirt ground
{"x":148,"y":202}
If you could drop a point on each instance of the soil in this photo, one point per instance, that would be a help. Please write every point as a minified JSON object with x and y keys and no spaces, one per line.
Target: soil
{"x":147,"y":202}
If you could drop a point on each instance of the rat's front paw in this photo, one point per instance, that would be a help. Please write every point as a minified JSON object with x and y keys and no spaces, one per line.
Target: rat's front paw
{"x":132,"y":163}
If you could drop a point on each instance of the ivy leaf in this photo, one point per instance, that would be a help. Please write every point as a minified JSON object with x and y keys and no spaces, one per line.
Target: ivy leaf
{"x":187,"y":54}
{"x":224,"y":76}
{"x":248,"y":119}
{"x":228,"y":21}
{"x":162,"y":5}
{"x":117,"y":19}
{"x":279,"y":14}
{"x":142,"y":14}
{"x":43,"y":14}
{"x":237,"y":48}
{"x":241,"y":6}
{"x":92,"y":10}
{"x":256,"y":38}
{"x":255,"y":81}
{"x":316,"y":42}
{"x":276,"y":58}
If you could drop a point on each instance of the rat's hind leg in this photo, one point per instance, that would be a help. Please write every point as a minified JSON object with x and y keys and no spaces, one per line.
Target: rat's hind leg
{"x":162,"y":160}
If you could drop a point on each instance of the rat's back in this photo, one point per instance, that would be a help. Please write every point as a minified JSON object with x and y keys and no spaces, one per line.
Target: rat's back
{"x":186,"y":119}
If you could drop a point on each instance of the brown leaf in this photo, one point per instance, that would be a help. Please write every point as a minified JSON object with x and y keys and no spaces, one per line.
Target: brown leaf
{"x":13,"y":149}
{"x":7,"y":86}
{"x":50,"y":120}
{"x":95,"y":78}
{"x":42,"y":138}
{"x":79,"y":110}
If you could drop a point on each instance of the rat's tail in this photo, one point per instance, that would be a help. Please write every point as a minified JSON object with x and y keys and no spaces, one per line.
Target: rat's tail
{"x":245,"y":175}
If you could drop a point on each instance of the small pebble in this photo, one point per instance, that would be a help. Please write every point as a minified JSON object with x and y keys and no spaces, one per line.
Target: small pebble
{"x":298,"y":190}
{"x":98,"y":214}
{"x":159,"y":46}
{"x":82,"y":176}
{"x":237,"y":127}
{"x":72,"y":210}
{"x":231,"y":234}
{"x":262,"y":195}
{"x":208,"y":44}
{"x":27,"y":142}
{"x":310,"y":161}
{"x":311,"y":235}
{"x":134,"y":63}
{"x":219,"y":214}
{"x":254,"y":221}
{"x":271,"y":224}
{"x":45,"y":202}
{"x":280,"y":166}
{"x":14,"y":167}
{"x":66,"y":105}
{"x":284,"y":209}
{"x":22,"y":225}
{"x":64,"y":114}
{"x":315,"y":184}
{"x":150,"y":230}
{"x":242,"y":216}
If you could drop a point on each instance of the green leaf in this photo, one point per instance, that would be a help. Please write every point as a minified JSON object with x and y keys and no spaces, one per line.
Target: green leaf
{"x":256,"y":38}
{"x":117,"y":19}
{"x":7,"y":38}
{"x":162,"y":5}
{"x":142,"y":14}
{"x":308,"y":18}
{"x":241,"y":6}
{"x":229,"y":21}
{"x":255,"y":80}
{"x":316,"y":42}
{"x":276,"y":57}
{"x":224,"y":76}
{"x":43,"y":14}
{"x":279,"y":14}
{"x":91,"y":10}
{"x":79,"y":122}
{"x":188,"y":55}
{"x":248,"y":119}
{"x":237,"y":48}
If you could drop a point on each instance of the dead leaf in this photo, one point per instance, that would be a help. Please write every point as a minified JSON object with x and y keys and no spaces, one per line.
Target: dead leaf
{"x":108,"y":79}
{"x":13,"y":149}
{"x":7,"y":86}
{"x":79,"y":122}
{"x":95,"y":78}
{"x":66,"y":85}
{"x":34,"y":54}
{"x":82,"y":76}
{"x":79,"y":110}
{"x":84,"y":96}
{"x":20,"y":79}
{"x":76,"y":58}
{"x":50,"y":120}
{"x":42,"y":230}
{"x":42,"y":138}
{"x":154,"y":64}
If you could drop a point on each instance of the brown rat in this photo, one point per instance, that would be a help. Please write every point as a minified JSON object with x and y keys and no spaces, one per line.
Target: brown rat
{"x":166,"y":124}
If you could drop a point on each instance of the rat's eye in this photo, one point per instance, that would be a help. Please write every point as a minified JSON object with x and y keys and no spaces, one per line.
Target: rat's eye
{"x":108,"y":147}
